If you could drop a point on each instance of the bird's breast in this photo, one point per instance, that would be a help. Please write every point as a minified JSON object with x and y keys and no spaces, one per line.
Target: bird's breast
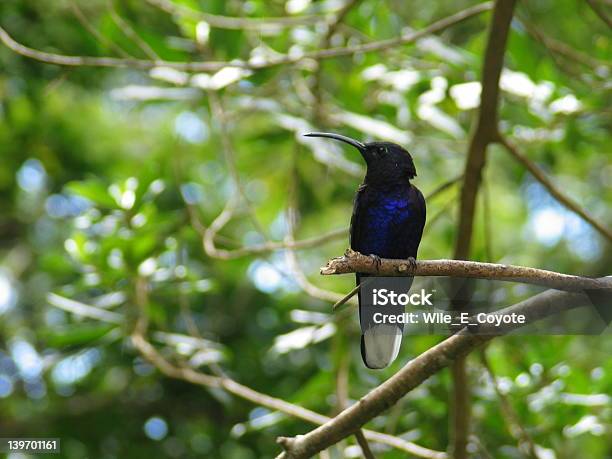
{"x":385,"y":218}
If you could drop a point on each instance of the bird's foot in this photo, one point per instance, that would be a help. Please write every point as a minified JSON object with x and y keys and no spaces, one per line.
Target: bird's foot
{"x":376,"y":261}
{"x":412,"y":263}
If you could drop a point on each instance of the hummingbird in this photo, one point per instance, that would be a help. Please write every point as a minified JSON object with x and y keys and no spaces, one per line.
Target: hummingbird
{"x":387,"y":222}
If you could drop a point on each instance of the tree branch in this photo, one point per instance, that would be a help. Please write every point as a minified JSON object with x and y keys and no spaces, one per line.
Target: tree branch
{"x":82,"y":18}
{"x":302,"y":280}
{"x":84,"y":310}
{"x":229,"y":22}
{"x":328,"y":53}
{"x":563,"y":49}
{"x":355,"y":262}
{"x":332,"y":26}
{"x":90,"y":61}
{"x":553,"y":190}
{"x":211,"y":233}
{"x":130,"y":33}
{"x":515,"y":427}
{"x":483,"y":134}
{"x":187,"y":374}
{"x":485,"y":131}
{"x":342,"y":390}
{"x":421,"y":368}
{"x":598,"y":10}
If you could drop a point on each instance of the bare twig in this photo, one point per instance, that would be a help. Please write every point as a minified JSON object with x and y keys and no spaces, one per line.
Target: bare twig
{"x":291,"y":257}
{"x":409,"y":37}
{"x":486,"y":222}
{"x":355,"y":262}
{"x":208,"y":240}
{"x":444,"y":210}
{"x":599,"y":11}
{"x":512,"y":420}
{"x":332,"y":26}
{"x":229,"y":154}
{"x":347,"y":297}
{"x":563,"y":49}
{"x":363,"y":444}
{"x":228,"y":22}
{"x":553,"y":190}
{"x":300,"y":278}
{"x":187,"y":374}
{"x":84,"y":310}
{"x":342,"y":382}
{"x":129,"y":32}
{"x":89,"y":61}
{"x":272,"y":246}
{"x":92,"y":30}
{"x":329,"y":53}
{"x":443,"y":187}
{"x":210,"y":234}
{"x":418,"y":370}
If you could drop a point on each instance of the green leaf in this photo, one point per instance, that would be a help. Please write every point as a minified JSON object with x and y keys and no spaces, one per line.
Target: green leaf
{"x":74,"y":334}
{"x":94,"y":190}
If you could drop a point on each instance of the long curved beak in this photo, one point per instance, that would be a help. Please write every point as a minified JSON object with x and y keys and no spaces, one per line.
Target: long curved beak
{"x":355,"y":143}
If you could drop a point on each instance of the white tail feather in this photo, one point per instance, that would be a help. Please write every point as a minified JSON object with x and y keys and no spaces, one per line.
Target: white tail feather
{"x":381,"y":345}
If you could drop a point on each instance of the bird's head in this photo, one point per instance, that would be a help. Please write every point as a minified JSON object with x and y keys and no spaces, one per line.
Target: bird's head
{"x":386,"y":162}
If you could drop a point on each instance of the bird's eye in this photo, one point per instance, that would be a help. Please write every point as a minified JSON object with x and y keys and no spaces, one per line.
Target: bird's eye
{"x":382,"y":150}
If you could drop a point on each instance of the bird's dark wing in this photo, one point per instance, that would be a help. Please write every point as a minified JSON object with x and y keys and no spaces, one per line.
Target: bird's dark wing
{"x":418,"y":219}
{"x":355,"y":228}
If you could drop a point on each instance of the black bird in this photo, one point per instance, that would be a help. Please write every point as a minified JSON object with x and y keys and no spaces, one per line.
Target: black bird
{"x":387,"y":222}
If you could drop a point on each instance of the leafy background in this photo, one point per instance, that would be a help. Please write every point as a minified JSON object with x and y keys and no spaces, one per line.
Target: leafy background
{"x":101,"y":168}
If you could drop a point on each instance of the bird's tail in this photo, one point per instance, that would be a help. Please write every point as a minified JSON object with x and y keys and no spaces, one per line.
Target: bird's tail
{"x":380,"y":344}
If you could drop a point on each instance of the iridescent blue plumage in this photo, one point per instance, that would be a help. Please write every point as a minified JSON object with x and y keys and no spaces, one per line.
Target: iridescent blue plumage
{"x":390,"y":212}
{"x":388,"y":222}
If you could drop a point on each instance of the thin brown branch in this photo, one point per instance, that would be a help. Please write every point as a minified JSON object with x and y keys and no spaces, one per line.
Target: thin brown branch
{"x":486,"y":222}
{"x":210,"y":234}
{"x":290,"y":255}
{"x":82,"y":18}
{"x":130,"y":33}
{"x":329,"y":53}
{"x":338,"y":18}
{"x":486,"y":128}
{"x":556,"y":193}
{"x":421,"y":368}
{"x":363,"y":444}
{"x":332,"y":26}
{"x":563,"y":49}
{"x":444,"y":186}
{"x":272,"y":246}
{"x":348,"y":296}
{"x":229,"y":22}
{"x":90,"y":61}
{"x":187,"y":374}
{"x":444,"y":210}
{"x":301,"y":279}
{"x":409,"y":37}
{"x":355,"y":262}
{"x":484,"y":133}
{"x":515,"y":427}
{"x":342,"y":382}
{"x":599,"y":11}
{"x":461,"y":414}
{"x":218,"y":113}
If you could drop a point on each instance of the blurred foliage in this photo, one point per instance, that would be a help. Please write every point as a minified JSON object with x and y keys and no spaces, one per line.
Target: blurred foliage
{"x":98,"y":166}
